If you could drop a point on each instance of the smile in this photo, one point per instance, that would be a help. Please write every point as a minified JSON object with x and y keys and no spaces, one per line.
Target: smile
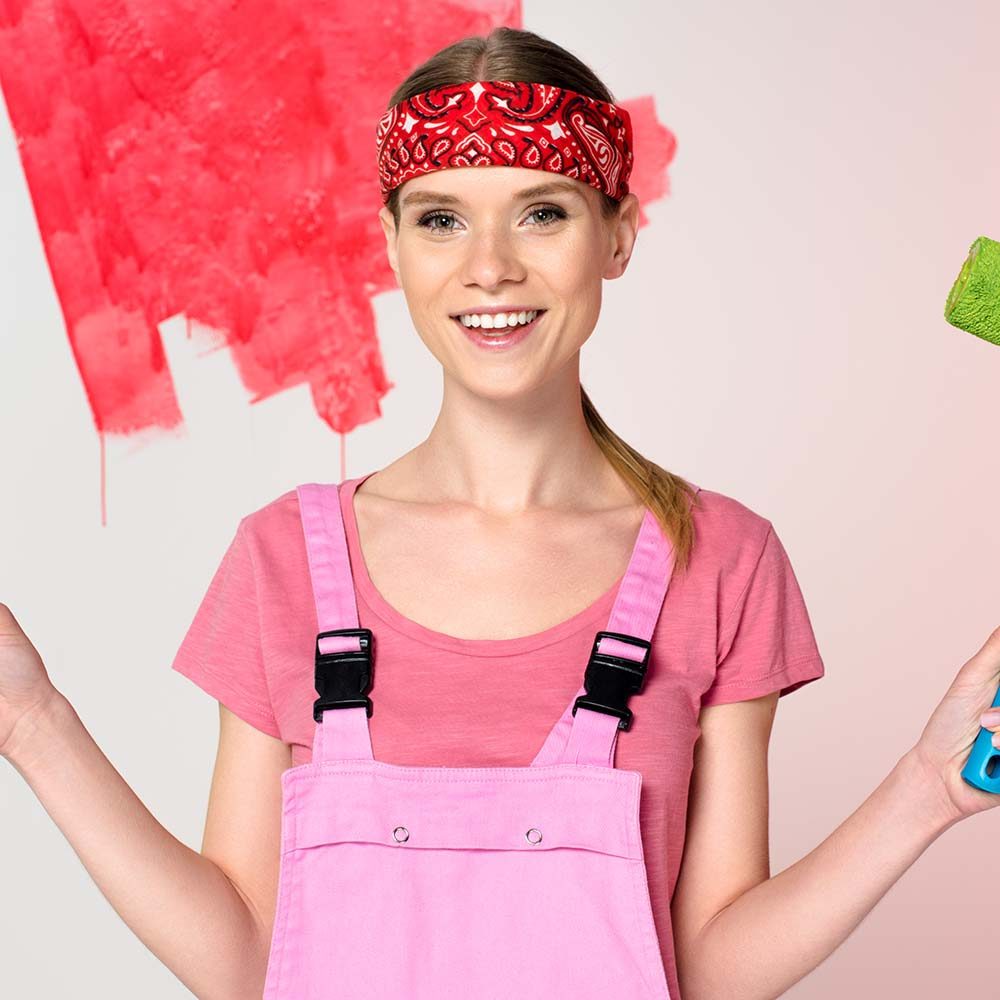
{"x":500,"y":320}
{"x":499,"y":338}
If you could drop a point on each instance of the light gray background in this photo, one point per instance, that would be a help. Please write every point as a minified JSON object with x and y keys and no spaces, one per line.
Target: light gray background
{"x":778,"y":337}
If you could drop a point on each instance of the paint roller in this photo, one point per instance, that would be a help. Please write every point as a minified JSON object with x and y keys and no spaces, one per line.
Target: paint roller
{"x":974,"y":306}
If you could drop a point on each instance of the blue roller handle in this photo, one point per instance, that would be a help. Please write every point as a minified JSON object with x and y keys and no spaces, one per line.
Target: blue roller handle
{"x":982,"y":769}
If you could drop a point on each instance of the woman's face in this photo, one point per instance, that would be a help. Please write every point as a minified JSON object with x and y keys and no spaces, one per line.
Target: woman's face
{"x":472,"y":239}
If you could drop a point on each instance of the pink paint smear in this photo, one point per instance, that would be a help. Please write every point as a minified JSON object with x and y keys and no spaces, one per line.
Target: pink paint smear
{"x":217,"y":160}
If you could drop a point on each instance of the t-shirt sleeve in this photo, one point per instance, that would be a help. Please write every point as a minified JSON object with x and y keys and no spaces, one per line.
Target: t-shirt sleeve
{"x":766,"y":642}
{"x":221,"y":651}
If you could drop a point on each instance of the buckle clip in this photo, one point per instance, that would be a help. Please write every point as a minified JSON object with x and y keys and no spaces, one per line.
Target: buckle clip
{"x":610,"y":680}
{"x":344,"y":679}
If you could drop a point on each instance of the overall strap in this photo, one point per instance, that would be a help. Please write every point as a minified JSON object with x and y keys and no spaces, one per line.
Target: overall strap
{"x":587,"y":732}
{"x":343,"y":650}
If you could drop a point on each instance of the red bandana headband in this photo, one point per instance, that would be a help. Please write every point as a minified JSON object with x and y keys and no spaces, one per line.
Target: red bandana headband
{"x":509,"y":124}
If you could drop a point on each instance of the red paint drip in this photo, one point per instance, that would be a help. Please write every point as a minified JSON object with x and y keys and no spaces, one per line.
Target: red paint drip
{"x":223,"y":167}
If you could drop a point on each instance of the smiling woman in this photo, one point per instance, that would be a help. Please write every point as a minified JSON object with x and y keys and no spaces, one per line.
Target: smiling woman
{"x":471,"y":556}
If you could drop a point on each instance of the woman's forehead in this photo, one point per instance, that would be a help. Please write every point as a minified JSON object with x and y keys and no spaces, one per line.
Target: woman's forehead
{"x":478,"y":185}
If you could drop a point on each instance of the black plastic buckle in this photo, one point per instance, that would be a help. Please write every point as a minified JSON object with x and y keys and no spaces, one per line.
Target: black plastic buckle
{"x":344,"y":679}
{"x":610,"y":680}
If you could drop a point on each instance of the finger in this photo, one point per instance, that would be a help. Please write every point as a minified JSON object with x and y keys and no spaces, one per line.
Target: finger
{"x":990,"y":720}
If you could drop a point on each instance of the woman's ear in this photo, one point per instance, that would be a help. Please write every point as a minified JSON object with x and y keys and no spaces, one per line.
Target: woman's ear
{"x":389,"y":229}
{"x":624,"y":228}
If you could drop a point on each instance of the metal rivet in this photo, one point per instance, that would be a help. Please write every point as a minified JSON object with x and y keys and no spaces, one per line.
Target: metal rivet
{"x":401,"y":834}
{"x":533,"y":836}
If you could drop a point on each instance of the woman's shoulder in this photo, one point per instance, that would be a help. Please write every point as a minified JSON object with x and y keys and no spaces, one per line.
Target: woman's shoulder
{"x":727,"y":514}
{"x":727,"y":530}
{"x":274,"y":515}
{"x":277,"y":522}
{"x":273,"y":529}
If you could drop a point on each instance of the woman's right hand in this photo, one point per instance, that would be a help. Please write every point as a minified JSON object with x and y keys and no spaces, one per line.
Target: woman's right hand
{"x":24,"y":683}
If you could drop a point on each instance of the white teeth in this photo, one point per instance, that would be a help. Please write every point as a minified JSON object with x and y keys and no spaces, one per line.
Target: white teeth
{"x":497,"y":321}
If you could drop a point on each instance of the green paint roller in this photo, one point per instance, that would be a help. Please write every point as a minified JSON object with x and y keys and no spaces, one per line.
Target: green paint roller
{"x":974,"y":300}
{"x":974,"y":306}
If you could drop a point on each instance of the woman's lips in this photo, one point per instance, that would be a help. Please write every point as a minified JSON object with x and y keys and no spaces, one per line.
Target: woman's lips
{"x":513,"y":335}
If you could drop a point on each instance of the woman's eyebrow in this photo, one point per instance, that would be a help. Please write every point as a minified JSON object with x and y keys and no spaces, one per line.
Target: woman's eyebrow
{"x":537,"y":191}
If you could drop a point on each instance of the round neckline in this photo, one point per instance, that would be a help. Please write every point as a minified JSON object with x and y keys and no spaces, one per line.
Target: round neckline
{"x":598,"y":610}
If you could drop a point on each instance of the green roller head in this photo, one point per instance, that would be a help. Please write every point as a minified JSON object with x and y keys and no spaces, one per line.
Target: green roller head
{"x":974,"y":300}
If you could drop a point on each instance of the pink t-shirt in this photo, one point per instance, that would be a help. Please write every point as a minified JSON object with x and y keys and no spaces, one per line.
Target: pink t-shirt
{"x":734,"y":627}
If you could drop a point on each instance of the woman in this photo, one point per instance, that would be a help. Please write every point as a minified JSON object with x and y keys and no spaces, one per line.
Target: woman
{"x":472,"y":556}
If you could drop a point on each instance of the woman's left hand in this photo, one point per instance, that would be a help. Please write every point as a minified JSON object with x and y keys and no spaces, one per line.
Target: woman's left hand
{"x":945,"y":743}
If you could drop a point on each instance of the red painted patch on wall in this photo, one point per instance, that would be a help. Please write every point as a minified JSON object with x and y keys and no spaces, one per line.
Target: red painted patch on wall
{"x":218,"y":160}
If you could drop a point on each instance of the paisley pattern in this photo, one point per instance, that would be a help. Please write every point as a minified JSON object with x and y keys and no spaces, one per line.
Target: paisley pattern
{"x":506,"y":123}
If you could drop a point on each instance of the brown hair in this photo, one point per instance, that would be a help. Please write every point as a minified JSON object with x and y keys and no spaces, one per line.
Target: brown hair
{"x":512,"y":54}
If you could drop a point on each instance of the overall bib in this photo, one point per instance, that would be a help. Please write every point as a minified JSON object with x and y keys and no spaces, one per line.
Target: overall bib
{"x":471,"y":883}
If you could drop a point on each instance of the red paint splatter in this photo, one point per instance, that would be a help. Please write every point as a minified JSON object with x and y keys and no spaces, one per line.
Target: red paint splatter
{"x":655,"y":148}
{"x":217,"y":160}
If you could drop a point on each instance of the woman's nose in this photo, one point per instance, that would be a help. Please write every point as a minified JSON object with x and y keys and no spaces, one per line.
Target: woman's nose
{"x":491,"y":258}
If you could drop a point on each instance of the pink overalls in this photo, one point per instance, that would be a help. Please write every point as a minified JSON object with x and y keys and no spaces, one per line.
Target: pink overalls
{"x":479,"y":883}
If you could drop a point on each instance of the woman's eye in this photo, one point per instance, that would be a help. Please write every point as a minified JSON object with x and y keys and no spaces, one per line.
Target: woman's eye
{"x":553,"y":213}
{"x":553,"y":210}
{"x":427,"y":219}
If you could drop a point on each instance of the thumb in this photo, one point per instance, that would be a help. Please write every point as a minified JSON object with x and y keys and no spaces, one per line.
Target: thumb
{"x":983,"y":667}
{"x":10,"y":629}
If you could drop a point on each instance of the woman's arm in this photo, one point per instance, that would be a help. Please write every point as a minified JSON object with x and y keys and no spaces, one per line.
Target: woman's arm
{"x":779,"y":930}
{"x":772,"y":935}
{"x":181,"y":905}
